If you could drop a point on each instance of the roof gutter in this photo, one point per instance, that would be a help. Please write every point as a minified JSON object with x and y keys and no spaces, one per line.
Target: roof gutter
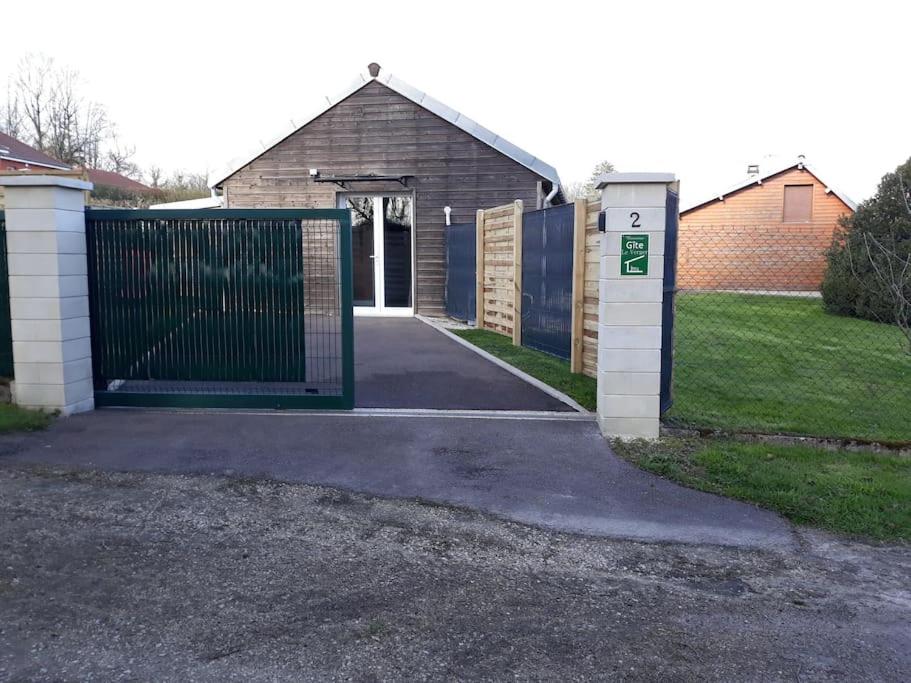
{"x":555,"y":187}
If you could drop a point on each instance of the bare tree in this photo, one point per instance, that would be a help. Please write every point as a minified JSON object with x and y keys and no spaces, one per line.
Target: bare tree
{"x":155,"y":175}
{"x":34,"y":89}
{"x":588,"y":189}
{"x":78,"y":129}
{"x":44,"y":107}
{"x":573,"y":190}
{"x":11,"y":121}
{"x":119,"y":158}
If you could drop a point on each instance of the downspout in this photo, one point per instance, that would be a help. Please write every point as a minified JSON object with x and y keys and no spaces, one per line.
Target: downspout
{"x":555,"y":187}
{"x":447,"y":210}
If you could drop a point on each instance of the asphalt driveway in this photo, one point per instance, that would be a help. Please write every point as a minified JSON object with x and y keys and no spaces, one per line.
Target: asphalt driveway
{"x":557,"y":473}
{"x":405,"y":363}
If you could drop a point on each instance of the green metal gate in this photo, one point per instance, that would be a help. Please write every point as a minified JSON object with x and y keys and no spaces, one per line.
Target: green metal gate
{"x":6,"y":331}
{"x":221,"y":308}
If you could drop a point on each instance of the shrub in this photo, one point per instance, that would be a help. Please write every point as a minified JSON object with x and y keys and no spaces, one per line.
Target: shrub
{"x":851,"y":285}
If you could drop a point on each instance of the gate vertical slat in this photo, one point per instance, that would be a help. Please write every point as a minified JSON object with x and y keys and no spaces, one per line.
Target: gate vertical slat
{"x":285,"y":278}
{"x":270,"y":301}
{"x":227,"y":298}
{"x":6,"y":326}
{"x":261,"y":334}
{"x":184,"y":303}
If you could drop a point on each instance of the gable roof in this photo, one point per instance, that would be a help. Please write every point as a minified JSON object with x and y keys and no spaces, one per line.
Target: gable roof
{"x":121,"y":182}
{"x":758,"y":179}
{"x":422,"y":99}
{"x":16,"y":150}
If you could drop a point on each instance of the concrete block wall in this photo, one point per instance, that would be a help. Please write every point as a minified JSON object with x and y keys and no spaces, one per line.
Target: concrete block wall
{"x":629,"y":309}
{"x":49,"y":309}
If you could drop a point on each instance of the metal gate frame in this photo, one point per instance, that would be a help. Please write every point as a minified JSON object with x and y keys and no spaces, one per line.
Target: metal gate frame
{"x":6,"y":331}
{"x":345,"y":401}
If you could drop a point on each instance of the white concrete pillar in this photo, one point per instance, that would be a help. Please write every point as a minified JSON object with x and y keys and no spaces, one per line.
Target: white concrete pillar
{"x":631,"y":291}
{"x":49,"y":305}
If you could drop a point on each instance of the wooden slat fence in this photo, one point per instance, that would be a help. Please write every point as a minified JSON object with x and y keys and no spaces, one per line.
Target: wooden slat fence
{"x":499,"y":259}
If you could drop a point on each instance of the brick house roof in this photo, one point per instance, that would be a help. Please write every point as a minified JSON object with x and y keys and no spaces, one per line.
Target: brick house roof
{"x":121,"y":182}
{"x":757,"y":179}
{"x":16,"y":150}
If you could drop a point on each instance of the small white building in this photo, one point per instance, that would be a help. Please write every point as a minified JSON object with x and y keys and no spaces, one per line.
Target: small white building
{"x":201,"y":203}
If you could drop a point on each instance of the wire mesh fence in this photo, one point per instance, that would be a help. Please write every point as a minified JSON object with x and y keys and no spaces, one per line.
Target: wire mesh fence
{"x":757,"y":349}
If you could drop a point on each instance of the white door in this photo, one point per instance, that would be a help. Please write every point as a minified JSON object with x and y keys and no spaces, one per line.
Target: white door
{"x":382,"y":244}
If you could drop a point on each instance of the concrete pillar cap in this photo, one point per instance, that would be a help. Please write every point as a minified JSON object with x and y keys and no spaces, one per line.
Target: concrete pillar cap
{"x":633,"y":178}
{"x":28,"y":180}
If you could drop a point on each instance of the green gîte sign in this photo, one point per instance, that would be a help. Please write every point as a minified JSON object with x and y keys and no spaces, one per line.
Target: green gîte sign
{"x":633,"y":254}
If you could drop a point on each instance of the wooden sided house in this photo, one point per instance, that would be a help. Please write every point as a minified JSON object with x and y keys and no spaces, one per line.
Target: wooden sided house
{"x":767,"y":233}
{"x":396,"y":158}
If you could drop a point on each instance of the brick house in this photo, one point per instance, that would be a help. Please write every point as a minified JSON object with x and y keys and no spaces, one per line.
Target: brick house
{"x":767,"y":233}
{"x":110,"y":188}
{"x":15,"y":155}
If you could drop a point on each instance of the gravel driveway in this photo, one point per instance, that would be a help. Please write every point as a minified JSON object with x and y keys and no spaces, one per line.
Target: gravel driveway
{"x":112,"y":576}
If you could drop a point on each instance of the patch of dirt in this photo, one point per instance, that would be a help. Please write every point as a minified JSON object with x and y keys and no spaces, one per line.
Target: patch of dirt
{"x":131,"y":576}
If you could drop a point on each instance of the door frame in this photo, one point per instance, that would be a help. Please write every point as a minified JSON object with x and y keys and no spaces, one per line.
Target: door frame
{"x":379,"y":309}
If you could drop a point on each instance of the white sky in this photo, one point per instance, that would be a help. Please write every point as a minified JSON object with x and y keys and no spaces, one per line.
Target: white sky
{"x":697,"y":88}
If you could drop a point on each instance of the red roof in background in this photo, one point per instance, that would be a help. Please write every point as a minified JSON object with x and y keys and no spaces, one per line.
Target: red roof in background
{"x":111,"y":179}
{"x":11,"y":148}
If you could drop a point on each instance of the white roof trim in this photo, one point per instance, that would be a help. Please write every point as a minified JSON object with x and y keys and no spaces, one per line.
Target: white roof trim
{"x":420,"y":98}
{"x":31,"y":162}
{"x":757,"y":180}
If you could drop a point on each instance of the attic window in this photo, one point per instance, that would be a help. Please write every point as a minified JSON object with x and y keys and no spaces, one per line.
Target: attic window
{"x":798,"y":204}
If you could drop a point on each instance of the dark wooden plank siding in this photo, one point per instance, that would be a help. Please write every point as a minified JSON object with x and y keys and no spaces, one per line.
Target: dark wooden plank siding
{"x":376,"y":130}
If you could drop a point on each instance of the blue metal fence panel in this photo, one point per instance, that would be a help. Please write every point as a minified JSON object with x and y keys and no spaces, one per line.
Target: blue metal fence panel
{"x":667,"y":305}
{"x":461,"y":266}
{"x":547,"y":279}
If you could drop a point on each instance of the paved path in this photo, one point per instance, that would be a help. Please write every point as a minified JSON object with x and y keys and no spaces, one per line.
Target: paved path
{"x":556,"y":473}
{"x":405,"y":363}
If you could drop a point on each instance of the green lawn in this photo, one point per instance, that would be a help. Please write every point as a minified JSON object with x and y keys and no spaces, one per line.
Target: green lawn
{"x":864,"y":494}
{"x":542,"y":366}
{"x":782,"y":364}
{"x":13,"y":419}
{"x":768,"y":364}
